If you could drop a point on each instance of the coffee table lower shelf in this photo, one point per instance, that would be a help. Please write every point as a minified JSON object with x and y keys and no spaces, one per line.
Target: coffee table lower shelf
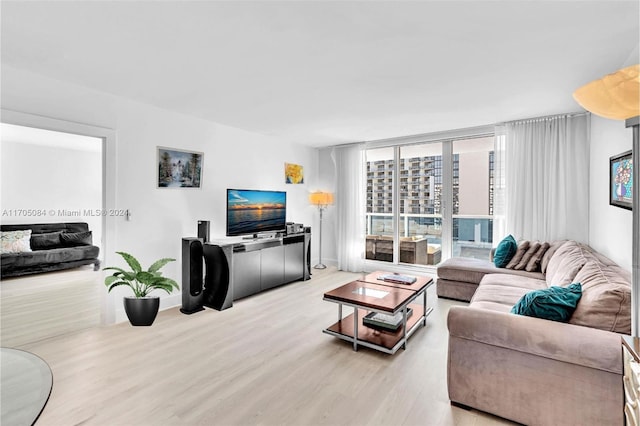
{"x":383,"y":340}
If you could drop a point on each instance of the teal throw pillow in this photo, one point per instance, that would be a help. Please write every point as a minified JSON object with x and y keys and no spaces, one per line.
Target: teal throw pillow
{"x":553,"y":303}
{"x":505,"y":251}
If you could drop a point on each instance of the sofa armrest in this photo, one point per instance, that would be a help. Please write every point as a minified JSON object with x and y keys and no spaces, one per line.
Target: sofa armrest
{"x":569,"y":343}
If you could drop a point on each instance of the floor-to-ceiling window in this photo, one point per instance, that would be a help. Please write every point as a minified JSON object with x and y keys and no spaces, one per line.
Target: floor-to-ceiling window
{"x":380,"y":212}
{"x":429,"y":201}
{"x":420,"y":198}
{"x":472,"y":197}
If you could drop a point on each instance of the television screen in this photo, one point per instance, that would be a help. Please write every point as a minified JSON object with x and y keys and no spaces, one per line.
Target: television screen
{"x":252,"y":212}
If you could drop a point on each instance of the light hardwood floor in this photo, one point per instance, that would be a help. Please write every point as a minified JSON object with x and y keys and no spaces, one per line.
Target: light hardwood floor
{"x":39,"y":306}
{"x":264,"y":361}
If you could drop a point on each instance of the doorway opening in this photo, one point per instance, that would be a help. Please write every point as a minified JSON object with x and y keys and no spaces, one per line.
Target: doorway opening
{"x":51,"y":177}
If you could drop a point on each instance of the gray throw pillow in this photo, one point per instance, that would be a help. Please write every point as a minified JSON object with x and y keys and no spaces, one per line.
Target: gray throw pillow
{"x":531,"y":251}
{"x":534,"y":262}
{"x":522,"y":249}
{"x":72,"y":239}
{"x":49,"y":240}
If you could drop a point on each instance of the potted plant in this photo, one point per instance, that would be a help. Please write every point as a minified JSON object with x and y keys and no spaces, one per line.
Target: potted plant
{"x":141,"y":309}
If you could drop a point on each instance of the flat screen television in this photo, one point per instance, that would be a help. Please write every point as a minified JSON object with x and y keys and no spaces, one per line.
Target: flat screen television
{"x":253,"y":211}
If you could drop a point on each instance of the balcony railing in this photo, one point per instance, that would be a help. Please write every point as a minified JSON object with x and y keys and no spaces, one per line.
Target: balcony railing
{"x":472,"y":234}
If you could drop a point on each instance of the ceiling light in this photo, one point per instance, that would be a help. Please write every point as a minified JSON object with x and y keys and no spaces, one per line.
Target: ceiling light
{"x":615,"y":96}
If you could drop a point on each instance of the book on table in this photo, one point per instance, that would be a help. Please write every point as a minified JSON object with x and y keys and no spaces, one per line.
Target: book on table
{"x":397,"y":278}
{"x":385,"y":321}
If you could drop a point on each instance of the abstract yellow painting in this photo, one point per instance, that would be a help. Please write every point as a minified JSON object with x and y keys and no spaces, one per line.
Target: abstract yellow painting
{"x":293,"y":173}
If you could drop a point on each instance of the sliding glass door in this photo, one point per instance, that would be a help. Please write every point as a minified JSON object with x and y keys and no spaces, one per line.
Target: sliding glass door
{"x":430,"y":201}
{"x":380,"y":204}
{"x":472,"y":197}
{"x":420,"y":203}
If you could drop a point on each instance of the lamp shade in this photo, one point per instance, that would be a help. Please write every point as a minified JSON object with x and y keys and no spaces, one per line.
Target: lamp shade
{"x":615,"y":96}
{"x":320,"y":198}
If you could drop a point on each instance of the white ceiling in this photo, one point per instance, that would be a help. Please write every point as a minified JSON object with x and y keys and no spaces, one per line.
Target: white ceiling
{"x":328,"y":72}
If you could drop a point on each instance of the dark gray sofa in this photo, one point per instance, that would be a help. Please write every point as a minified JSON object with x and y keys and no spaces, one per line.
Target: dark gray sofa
{"x":60,"y":252}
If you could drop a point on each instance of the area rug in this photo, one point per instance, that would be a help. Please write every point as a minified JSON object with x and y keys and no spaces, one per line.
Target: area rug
{"x":26,"y":382}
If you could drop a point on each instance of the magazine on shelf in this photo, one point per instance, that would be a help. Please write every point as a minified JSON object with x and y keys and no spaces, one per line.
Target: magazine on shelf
{"x":385,"y":321}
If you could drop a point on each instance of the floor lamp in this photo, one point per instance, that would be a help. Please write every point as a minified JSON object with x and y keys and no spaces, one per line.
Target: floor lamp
{"x":617,"y":96}
{"x":322,"y":200}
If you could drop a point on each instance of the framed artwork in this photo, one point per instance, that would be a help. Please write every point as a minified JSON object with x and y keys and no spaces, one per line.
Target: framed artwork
{"x":621,"y":180}
{"x":179,"y":169}
{"x":293,"y":173}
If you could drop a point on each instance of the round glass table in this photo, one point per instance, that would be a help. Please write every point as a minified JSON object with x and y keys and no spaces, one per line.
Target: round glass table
{"x":26,"y":382}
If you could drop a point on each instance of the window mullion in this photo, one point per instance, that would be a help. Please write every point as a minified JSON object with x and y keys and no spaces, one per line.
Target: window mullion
{"x":447,"y":198}
{"x":396,"y":204}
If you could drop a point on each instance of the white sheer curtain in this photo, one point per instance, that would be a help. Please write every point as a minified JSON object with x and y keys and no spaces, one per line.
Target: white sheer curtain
{"x":499,"y":182}
{"x":546,"y":165}
{"x":349,"y":201}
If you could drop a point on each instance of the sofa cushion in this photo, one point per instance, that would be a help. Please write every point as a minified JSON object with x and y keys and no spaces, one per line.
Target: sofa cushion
{"x":606,"y":298}
{"x":492,"y":306}
{"x":504,"y":295}
{"x":46,"y":241}
{"x":553,"y":303}
{"x":553,"y":247}
{"x":15,"y":241}
{"x":466,"y":269}
{"x":59,"y":255}
{"x":565,"y":264}
{"x":512,"y":280}
{"x":499,"y":292}
{"x":505,"y":251}
{"x":604,"y":260}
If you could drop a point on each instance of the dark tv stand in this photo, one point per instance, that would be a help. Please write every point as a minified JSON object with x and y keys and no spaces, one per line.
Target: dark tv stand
{"x":260,"y":236}
{"x":237,"y":269}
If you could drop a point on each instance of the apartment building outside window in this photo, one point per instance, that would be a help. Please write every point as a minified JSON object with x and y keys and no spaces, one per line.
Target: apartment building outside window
{"x":421,"y":207}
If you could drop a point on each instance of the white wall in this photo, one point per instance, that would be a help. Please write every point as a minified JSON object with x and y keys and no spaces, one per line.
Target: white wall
{"x":160,"y":217}
{"x":609,"y":226}
{"x":60,"y":181}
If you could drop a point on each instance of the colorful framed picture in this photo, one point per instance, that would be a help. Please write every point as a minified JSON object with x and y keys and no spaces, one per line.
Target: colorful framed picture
{"x":293,"y":173}
{"x":621,"y":180}
{"x":179,"y":168}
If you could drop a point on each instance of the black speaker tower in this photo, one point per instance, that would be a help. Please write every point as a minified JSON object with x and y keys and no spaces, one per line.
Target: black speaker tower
{"x":217,"y":289}
{"x":192,"y":275}
{"x":307,"y":253}
{"x":204,"y":230}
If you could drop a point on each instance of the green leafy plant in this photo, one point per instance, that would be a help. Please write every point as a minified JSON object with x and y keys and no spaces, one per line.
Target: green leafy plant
{"x":141,"y":282}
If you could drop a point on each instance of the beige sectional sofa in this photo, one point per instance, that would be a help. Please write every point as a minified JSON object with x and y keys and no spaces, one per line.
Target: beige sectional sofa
{"x":531,"y":370}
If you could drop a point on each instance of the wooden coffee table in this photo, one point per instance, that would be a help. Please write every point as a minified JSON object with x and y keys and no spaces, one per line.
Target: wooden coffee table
{"x":371,"y":294}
